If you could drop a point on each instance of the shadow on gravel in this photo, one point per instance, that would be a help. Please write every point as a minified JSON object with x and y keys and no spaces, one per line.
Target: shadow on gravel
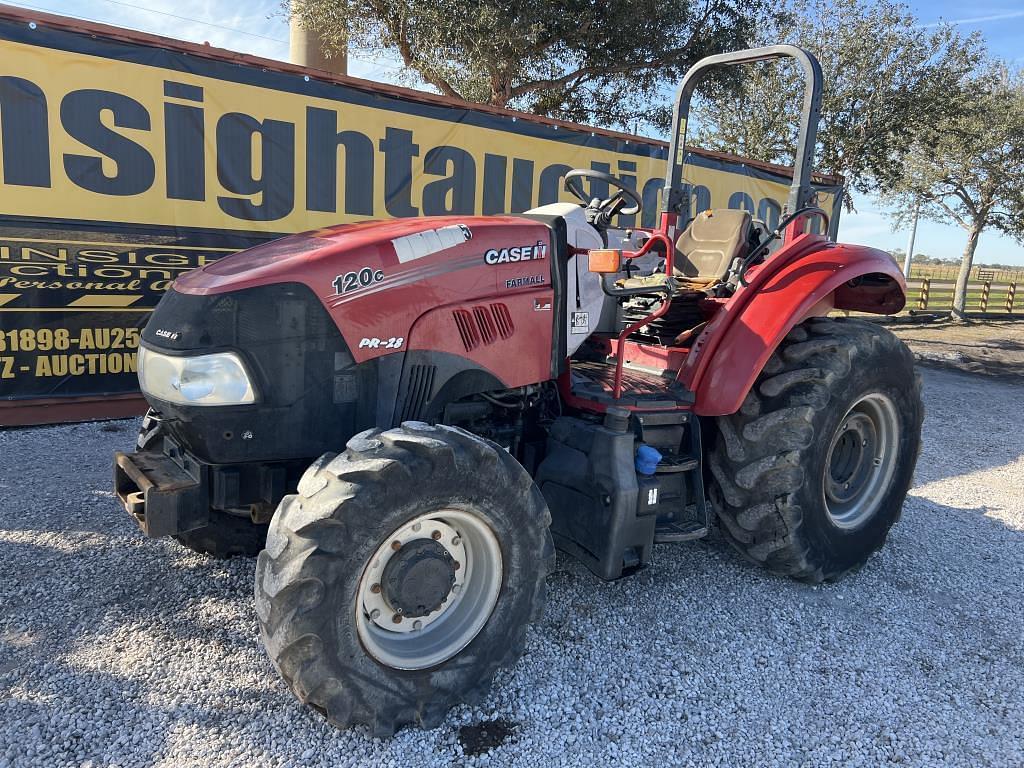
{"x":124,"y":724}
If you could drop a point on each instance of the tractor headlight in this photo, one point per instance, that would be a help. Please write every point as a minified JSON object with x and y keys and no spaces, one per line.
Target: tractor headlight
{"x":218,"y":379}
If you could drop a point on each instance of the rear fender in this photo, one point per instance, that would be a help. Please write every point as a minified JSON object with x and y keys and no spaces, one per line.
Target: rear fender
{"x":808,"y":278}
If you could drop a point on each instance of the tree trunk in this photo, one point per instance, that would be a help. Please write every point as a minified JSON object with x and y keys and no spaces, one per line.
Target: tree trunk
{"x":960,"y":292}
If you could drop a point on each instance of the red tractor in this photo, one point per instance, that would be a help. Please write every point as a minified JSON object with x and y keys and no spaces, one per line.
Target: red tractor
{"x":404,"y":418}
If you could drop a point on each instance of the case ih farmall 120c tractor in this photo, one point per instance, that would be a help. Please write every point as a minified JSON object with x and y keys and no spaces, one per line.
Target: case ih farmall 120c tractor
{"x":404,"y":418}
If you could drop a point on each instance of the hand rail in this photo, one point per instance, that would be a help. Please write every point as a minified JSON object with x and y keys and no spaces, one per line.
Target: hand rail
{"x":668,"y":290}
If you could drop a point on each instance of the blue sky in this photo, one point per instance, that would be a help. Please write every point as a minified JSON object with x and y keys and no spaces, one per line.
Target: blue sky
{"x":259,"y":27}
{"x":1001,"y":22}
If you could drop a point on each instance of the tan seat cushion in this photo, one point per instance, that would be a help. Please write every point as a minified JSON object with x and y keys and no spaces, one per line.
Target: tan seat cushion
{"x":706,"y":249}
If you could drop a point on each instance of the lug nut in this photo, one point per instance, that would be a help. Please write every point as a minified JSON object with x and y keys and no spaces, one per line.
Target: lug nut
{"x":456,"y":588}
{"x":457,"y":565}
{"x":375,"y":589}
{"x":396,"y":545}
{"x":397,"y":618}
{"x":435,"y":535}
{"x":417,"y":625}
{"x":375,"y":614}
{"x":456,"y":541}
{"x":417,"y":526}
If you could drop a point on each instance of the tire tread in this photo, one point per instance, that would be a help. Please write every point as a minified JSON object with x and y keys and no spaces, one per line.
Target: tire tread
{"x":758,"y":460}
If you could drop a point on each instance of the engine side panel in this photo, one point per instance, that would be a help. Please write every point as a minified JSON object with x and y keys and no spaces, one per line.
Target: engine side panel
{"x":379,"y":281}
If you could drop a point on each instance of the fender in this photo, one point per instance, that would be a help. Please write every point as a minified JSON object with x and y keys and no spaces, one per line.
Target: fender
{"x":807,"y":278}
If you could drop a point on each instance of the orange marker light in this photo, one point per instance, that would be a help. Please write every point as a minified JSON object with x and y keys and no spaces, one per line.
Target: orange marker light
{"x":605,"y":260}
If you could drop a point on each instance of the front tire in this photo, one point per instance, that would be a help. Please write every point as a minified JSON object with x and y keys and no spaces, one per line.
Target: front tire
{"x":368,"y":610}
{"x":813,"y":470}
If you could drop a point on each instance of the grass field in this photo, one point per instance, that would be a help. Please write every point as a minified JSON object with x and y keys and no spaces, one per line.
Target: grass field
{"x":949,"y":272}
{"x":1001,"y":298}
{"x":1004,"y":293}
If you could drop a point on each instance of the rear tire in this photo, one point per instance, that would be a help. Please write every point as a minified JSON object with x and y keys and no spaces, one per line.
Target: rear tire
{"x":325,"y":573}
{"x":813,"y":470}
{"x":226,"y":535}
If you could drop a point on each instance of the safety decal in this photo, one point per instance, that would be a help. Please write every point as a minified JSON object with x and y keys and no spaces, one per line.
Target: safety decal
{"x":352,"y":281}
{"x":580,"y":322}
{"x":537,"y":251}
{"x":519,"y":282}
{"x":375,"y":343}
{"x":420,"y":244}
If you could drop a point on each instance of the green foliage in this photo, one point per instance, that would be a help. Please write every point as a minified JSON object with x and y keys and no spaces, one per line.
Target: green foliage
{"x":579,"y":60}
{"x":968,"y":167}
{"x":886,"y":79}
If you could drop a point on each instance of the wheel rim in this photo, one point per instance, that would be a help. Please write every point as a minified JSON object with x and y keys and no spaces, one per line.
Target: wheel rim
{"x":861,"y":461}
{"x":429,"y":589}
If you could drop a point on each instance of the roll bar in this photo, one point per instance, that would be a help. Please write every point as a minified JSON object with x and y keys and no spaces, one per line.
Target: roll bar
{"x":676,"y":194}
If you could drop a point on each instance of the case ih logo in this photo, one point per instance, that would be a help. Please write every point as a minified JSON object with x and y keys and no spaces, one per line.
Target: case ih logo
{"x":518,"y":253}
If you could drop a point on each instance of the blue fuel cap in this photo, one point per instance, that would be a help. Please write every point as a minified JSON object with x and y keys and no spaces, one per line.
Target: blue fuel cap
{"x":647,"y":459}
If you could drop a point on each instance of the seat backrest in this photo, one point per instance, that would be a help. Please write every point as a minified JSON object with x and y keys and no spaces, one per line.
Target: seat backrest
{"x":706,"y":248}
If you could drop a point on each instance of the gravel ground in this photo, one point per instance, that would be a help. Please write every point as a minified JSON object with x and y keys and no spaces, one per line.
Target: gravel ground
{"x":117,"y":650}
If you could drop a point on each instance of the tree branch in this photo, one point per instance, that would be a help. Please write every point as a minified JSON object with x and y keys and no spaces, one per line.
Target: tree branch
{"x":409,"y":58}
{"x":584,"y":73}
{"x":964,"y":196}
{"x":959,"y":219}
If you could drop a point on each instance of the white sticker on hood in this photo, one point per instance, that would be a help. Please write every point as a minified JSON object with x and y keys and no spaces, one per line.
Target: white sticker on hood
{"x":420,"y":244}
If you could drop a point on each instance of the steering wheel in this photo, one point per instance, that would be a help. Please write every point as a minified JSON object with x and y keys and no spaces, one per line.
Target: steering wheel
{"x":605,"y":209}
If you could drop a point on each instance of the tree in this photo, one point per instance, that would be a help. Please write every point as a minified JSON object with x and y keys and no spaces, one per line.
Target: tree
{"x":969,"y":168}
{"x":578,"y":60}
{"x":886,"y":79}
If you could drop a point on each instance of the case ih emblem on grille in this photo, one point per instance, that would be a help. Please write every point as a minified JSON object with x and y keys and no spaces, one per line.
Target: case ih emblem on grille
{"x":517,"y":253}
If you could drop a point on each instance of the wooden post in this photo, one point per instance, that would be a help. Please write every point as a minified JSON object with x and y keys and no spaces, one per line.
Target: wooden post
{"x":985,"y":290}
{"x":1009,"y":296}
{"x":922,"y":300}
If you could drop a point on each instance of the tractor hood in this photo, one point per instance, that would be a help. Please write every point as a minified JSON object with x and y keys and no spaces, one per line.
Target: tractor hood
{"x":377,"y":279}
{"x":319,"y":257}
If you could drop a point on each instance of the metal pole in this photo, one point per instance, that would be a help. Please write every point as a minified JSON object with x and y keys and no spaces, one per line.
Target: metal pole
{"x":910,"y":243}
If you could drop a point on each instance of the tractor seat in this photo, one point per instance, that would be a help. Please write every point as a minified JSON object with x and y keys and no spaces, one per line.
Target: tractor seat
{"x":704,"y":251}
{"x":707,"y":247}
